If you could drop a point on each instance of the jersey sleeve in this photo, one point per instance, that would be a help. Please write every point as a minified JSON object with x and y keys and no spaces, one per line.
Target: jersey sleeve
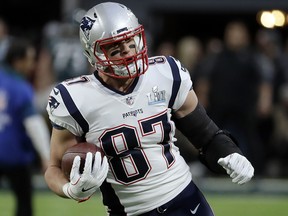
{"x":59,"y":114}
{"x":182,"y":83}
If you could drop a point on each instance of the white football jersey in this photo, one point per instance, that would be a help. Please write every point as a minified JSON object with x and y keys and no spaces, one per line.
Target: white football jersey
{"x":134,"y":129}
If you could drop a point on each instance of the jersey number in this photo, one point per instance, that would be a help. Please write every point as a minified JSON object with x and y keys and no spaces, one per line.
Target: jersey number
{"x":122,"y":145}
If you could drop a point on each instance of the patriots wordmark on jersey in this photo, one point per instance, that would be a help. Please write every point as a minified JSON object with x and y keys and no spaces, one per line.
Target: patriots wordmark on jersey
{"x":133,"y":129}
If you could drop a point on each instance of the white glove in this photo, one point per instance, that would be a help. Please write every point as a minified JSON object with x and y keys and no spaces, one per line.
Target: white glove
{"x":82,"y":186}
{"x":238,"y":167}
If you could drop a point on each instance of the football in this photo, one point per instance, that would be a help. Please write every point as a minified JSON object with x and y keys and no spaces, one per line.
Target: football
{"x":80,"y":149}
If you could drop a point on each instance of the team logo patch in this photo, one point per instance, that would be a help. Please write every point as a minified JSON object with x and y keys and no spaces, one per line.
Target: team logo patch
{"x":53,"y":103}
{"x":86,"y":25}
{"x":156,"y":96}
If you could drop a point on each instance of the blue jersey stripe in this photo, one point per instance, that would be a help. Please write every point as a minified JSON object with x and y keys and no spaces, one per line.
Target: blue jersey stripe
{"x":176,"y":82}
{"x":111,"y":200}
{"x":72,"y":108}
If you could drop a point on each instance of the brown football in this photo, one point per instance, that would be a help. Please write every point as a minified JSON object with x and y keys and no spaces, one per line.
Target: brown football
{"x":80,"y":149}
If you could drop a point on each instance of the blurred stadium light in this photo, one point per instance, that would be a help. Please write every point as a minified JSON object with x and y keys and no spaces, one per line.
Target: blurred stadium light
{"x":273,"y":18}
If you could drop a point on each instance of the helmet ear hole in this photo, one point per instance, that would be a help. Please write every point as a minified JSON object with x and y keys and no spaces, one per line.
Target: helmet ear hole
{"x":87,"y":54}
{"x":137,"y":40}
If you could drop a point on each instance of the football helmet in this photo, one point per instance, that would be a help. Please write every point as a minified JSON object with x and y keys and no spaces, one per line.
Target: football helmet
{"x":109,"y":23}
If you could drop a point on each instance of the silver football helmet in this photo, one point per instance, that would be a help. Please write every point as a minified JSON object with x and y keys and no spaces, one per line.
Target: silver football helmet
{"x":108,"y":23}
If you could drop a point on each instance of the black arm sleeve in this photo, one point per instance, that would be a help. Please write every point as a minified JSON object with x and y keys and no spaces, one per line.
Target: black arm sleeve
{"x":206,"y":136}
{"x":221,"y":145}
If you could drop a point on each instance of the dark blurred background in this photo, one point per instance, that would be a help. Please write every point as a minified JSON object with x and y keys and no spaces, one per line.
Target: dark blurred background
{"x":164,"y":18}
{"x":171,"y":26}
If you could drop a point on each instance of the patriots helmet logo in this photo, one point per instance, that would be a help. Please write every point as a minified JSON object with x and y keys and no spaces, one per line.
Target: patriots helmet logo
{"x":53,"y":103}
{"x":86,"y":25}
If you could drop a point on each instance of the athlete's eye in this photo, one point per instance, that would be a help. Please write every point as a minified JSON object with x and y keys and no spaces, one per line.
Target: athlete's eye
{"x":132,"y":46}
{"x":115,"y":52}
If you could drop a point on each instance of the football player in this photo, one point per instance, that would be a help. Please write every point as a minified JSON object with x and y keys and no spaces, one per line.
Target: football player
{"x":130,"y":107}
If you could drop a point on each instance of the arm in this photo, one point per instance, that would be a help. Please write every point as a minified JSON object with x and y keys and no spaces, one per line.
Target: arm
{"x":216,"y":147}
{"x":91,"y":179}
{"x":38,"y":132}
{"x":61,"y":140}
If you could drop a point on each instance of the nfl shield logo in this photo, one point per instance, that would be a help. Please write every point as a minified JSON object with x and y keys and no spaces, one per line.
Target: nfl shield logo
{"x":129,"y":100}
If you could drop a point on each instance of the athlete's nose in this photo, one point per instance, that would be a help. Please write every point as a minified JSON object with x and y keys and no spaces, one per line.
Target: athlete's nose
{"x":125,"y":48}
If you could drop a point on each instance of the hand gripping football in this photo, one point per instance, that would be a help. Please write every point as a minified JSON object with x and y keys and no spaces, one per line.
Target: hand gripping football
{"x":79,"y":149}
